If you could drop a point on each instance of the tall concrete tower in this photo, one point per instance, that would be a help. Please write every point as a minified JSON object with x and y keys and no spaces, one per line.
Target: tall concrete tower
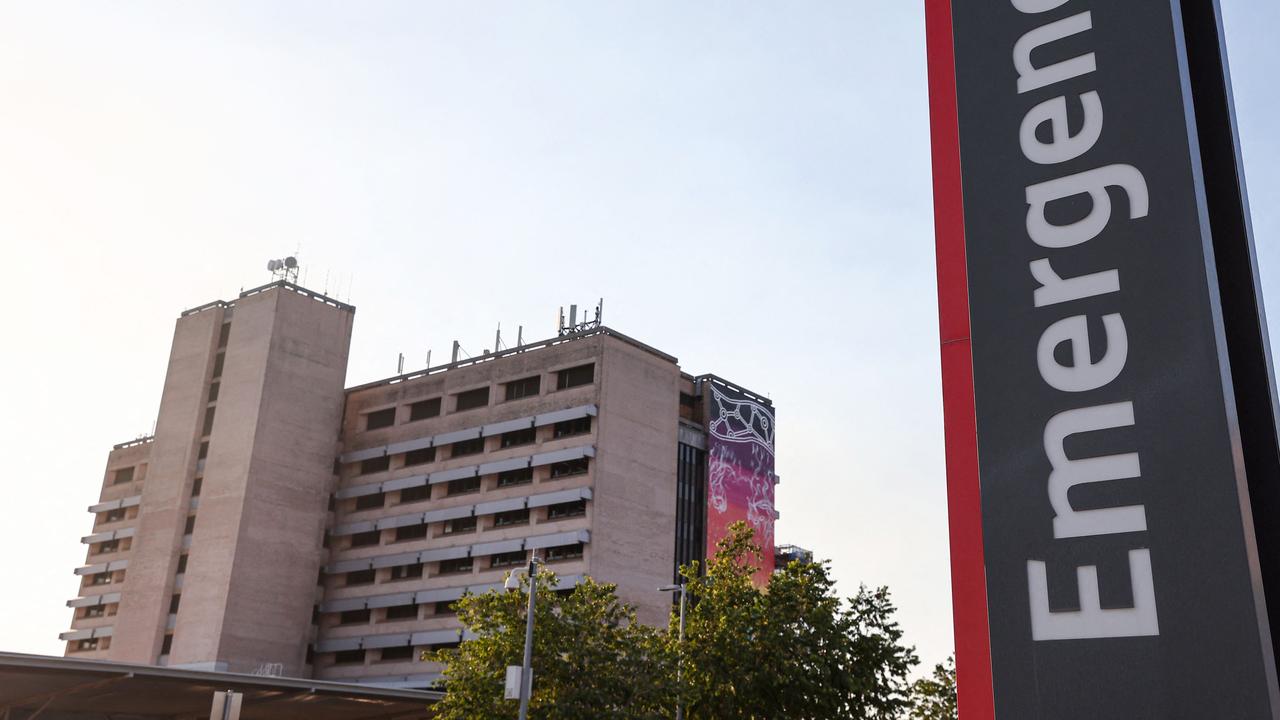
{"x":227,"y":542}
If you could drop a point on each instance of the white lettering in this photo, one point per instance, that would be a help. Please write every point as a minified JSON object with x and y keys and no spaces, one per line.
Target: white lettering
{"x":1063,"y":146}
{"x":1091,"y":621}
{"x":1082,"y":374}
{"x":1032,"y":78}
{"x":1053,"y":289}
{"x":1038,"y":6}
{"x":1094,"y":183}
{"x":1066,"y":474}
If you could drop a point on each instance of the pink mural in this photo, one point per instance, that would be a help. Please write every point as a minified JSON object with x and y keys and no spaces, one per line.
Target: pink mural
{"x":740,"y":470}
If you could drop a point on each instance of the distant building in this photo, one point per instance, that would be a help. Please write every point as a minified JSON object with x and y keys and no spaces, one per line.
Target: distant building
{"x":784,"y":554}
{"x":279,"y":523}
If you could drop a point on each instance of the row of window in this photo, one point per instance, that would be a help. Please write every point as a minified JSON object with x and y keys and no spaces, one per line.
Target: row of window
{"x":479,"y":397}
{"x":90,"y":644}
{"x":457,"y":566}
{"x":107,"y":547}
{"x":478,"y":445}
{"x":391,"y":654}
{"x":510,"y":518}
{"x":104,"y":578}
{"x":470,"y":485}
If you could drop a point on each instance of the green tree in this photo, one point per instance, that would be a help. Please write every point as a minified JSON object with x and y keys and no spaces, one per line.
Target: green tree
{"x":591,"y":658}
{"x":934,"y":698}
{"x":791,"y":650}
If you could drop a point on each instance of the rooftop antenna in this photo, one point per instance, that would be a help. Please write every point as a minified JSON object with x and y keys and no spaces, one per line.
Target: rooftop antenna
{"x":519,"y":336}
{"x":497,"y":339}
{"x":456,"y":347}
{"x":285,"y":269}
{"x":400,"y":365}
{"x":428,"y":358}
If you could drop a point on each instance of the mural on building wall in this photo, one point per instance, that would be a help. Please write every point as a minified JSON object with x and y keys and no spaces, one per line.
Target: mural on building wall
{"x":740,"y":474}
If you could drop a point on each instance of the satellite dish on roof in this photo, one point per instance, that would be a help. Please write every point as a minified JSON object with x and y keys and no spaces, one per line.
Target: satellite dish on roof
{"x":273,"y":265}
{"x":291,"y":262}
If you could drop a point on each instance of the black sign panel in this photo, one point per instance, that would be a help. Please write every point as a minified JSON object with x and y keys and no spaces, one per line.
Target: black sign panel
{"x":1122,"y":571}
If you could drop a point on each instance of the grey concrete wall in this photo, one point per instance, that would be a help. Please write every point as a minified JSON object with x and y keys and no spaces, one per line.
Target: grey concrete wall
{"x":139,"y":628}
{"x":633,"y":529}
{"x":256,"y":547}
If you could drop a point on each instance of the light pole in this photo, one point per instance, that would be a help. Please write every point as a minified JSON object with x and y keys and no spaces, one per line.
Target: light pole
{"x":683,"y":589}
{"x":526,"y":670}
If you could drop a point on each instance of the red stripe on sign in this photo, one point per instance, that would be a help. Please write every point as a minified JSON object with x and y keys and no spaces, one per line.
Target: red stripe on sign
{"x":964,"y":498}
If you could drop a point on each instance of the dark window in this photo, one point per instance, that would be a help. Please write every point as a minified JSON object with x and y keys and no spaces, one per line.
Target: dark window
{"x":581,"y":426}
{"x":511,"y":517}
{"x":467,"y":447}
{"x":575,"y":376}
{"x":463,"y":486}
{"x":182,"y":564}
{"x":373,"y":465}
{"x":224,"y":334}
{"x":567,"y":510}
{"x":424,"y":409}
{"x":348,"y":657}
{"x":95,"y":611}
{"x":208,"y":420}
{"x":687,"y":400}
{"x":196,"y":486}
{"x":376,"y":500}
{"x":415,"y":494}
{"x":380,"y":419}
{"x":402,"y":612}
{"x":122,"y":476}
{"x":108,"y":546}
{"x":462,"y":524}
{"x":87,"y":644}
{"x":100,"y":579}
{"x":174,"y":601}
{"x":190,"y":526}
{"x":519,"y":437}
{"x":419,"y":456}
{"x":507,"y":559}
{"x":411,"y":532}
{"x":520,"y":476}
{"x":447,"y":607}
{"x":218,"y":361}
{"x":372,"y":537}
{"x":569,"y":467}
{"x":361,"y":577}
{"x":213,"y":391}
{"x":333,"y":503}
{"x":456,"y":565}
{"x":113,"y":515}
{"x":471,"y":399}
{"x":564,"y":552}
{"x":204,"y":450}
{"x":401,"y":652}
{"x":446,"y":646}
{"x":525,"y":387}
{"x":406,"y":572}
{"x":167,"y":644}
{"x":352,"y":617}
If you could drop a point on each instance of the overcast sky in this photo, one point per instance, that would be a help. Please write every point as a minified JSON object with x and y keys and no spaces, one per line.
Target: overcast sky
{"x":745,"y":183}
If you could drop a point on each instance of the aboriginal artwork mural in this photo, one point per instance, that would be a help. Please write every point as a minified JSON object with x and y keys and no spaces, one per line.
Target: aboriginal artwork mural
{"x":740,"y":476}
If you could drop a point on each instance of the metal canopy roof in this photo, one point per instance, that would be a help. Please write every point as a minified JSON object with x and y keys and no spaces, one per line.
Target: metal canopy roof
{"x":38,"y":687}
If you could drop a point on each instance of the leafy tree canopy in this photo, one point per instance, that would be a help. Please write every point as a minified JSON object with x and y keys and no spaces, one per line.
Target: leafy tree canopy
{"x":791,"y":650}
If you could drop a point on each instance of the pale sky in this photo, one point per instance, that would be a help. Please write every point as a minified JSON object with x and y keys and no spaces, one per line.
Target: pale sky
{"x":746,"y":184}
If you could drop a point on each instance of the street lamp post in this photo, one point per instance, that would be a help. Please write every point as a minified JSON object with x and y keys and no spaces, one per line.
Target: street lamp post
{"x":526,"y":670}
{"x":683,"y":589}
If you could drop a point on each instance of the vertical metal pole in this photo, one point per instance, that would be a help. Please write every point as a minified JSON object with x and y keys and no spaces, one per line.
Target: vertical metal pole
{"x":680,"y":661}
{"x":526,"y":672}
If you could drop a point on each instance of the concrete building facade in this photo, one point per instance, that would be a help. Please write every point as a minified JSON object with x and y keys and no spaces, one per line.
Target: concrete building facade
{"x":280,"y":523}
